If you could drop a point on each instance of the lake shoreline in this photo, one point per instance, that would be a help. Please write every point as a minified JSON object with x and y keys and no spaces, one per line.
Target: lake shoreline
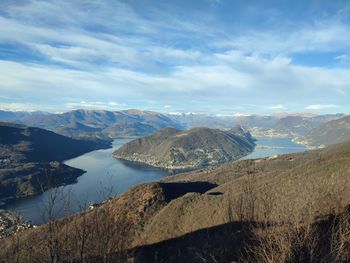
{"x":103,"y":171}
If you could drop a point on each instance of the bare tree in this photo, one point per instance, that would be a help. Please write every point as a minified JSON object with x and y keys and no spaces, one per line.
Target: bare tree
{"x":340,"y":238}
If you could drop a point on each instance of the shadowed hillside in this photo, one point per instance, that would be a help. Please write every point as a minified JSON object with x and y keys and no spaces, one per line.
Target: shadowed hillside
{"x":30,"y":159}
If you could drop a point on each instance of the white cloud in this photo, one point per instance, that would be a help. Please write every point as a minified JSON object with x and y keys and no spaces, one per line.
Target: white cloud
{"x":277,"y":107}
{"x":30,"y":107}
{"x":343,"y":58}
{"x":71,"y":44}
{"x":164,"y":57}
{"x":321,"y":106}
{"x":325,"y":36}
{"x":116,"y":104}
{"x":246,"y":79}
{"x":238,"y":114}
{"x":94,"y":105}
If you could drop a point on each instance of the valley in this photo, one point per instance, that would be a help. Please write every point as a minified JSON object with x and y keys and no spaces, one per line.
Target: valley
{"x":104,"y":177}
{"x":135,"y":184}
{"x":187,"y":131}
{"x":102,"y":171}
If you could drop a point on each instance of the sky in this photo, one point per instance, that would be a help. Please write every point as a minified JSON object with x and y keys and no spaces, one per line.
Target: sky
{"x":207,"y":56}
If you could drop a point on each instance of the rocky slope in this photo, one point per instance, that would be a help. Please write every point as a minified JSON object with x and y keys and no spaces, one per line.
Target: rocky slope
{"x":187,"y":150}
{"x":30,"y":159}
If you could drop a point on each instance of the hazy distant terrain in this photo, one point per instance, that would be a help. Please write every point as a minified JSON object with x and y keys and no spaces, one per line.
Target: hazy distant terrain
{"x":293,"y":125}
{"x":331,"y":132}
{"x":96,"y":123}
{"x":111,"y":124}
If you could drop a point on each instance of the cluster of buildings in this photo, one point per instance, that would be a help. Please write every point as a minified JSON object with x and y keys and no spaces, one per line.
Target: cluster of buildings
{"x":10,"y":224}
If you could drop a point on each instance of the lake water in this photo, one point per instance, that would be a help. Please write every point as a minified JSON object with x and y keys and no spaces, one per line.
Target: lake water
{"x":267,"y":147}
{"x":107,"y":176}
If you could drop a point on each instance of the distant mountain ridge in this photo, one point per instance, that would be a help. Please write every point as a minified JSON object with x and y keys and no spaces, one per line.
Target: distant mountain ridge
{"x":96,"y":123}
{"x":107,"y":125}
{"x":299,"y":125}
{"x":292,"y":126}
{"x":187,"y":150}
{"x":16,"y":116}
{"x":192,"y":120}
{"x":332,"y":132}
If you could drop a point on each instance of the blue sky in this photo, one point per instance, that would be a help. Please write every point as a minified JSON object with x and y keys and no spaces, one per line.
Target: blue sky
{"x":210,"y":56}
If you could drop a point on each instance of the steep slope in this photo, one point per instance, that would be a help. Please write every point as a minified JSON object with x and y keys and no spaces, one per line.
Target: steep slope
{"x":30,"y":159}
{"x":290,"y":187}
{"x":185,"y":150}
{"x":332,"y":132}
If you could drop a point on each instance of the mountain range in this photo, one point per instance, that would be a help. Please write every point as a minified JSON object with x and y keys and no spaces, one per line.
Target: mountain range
{"x":108,"y":125}
{"x":95,"y":123}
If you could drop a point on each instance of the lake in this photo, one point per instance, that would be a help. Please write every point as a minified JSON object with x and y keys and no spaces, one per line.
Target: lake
{"x":267,"y":147}
{"x":106,"y":176}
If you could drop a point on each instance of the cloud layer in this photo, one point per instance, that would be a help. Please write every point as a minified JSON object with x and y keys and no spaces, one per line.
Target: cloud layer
{"x":116,"y":54}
